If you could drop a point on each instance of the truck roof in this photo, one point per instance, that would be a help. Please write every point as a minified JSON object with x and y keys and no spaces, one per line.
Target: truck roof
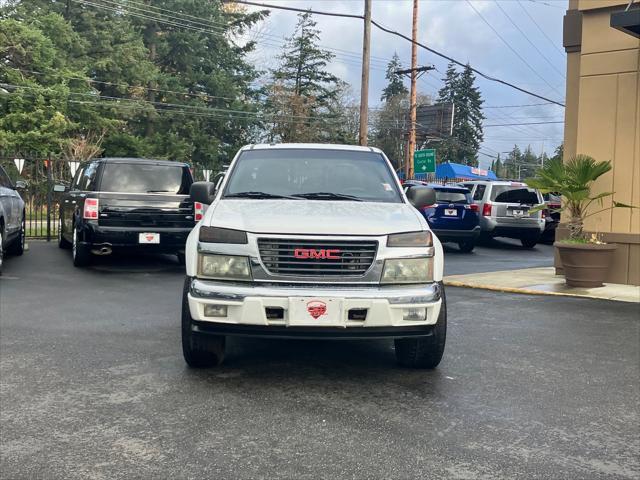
{"x":310,"y":146}
{"x":140,"y":160}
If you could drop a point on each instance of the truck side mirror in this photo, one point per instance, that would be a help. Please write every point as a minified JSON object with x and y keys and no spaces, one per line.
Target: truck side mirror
{"x":421,"y":197}
{"x":203,"y":192}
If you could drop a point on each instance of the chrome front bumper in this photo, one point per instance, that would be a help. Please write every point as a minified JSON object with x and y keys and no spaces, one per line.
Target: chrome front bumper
{"x":247,"y":303}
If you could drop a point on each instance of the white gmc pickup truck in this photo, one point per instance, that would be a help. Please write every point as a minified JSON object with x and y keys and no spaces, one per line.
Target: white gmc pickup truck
{"x":313,"y":241}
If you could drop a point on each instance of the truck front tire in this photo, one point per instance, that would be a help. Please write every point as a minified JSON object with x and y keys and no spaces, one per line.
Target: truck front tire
{"x":424,"y":352}
{"x":199,"y":351}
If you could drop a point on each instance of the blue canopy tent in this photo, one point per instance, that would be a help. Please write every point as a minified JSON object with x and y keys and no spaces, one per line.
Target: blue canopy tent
{"x":463,"y":172}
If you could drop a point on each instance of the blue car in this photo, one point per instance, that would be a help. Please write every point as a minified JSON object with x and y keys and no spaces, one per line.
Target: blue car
{"x":454,"y":217}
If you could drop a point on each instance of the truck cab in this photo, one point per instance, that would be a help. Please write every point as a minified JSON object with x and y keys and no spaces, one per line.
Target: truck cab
{"x":313,"y":241}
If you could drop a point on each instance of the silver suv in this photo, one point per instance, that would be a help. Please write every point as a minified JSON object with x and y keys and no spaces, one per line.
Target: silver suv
{"x":505,"y":210}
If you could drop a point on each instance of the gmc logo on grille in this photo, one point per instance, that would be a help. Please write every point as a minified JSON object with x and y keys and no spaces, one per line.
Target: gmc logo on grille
{"x":306,"y":253}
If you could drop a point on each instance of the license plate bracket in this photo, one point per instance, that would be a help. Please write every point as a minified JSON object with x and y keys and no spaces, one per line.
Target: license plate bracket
{"x":518,"y":212}
{"x":315,"y":311}
{"x":149,"y":238}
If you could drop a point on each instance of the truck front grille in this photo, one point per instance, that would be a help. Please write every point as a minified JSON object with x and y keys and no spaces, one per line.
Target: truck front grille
{"x":316,"y":258}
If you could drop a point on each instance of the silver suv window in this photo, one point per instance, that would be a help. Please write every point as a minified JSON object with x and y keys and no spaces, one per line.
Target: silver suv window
{"x":514,"y":194}
{"x":479,"y":193}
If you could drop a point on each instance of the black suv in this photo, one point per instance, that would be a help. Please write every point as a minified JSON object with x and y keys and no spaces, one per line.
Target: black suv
{"x":127,"y":203}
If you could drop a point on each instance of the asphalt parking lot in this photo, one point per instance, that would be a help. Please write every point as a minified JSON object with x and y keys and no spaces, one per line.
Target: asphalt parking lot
{"x":93,"y":385}
{"x":494,"y":255}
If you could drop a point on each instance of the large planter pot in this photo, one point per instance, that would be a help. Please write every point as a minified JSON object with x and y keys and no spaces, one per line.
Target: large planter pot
{"x":585,"y":264}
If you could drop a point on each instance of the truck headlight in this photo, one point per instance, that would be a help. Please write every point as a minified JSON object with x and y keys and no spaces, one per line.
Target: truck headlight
{"x":226,"y":267}
{"x":408,"y":270}
{"x":410,"y":239}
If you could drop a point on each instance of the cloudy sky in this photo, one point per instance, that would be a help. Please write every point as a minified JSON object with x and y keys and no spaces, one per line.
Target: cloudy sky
{"x":535,"y":61}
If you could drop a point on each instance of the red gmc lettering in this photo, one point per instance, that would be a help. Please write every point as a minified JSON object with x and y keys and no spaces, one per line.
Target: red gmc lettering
{"x":306,"y":253}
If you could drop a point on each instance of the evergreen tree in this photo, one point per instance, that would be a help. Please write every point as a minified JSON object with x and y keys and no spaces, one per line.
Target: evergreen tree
{"x":497,"y":167}
{"x":459,"y":89}
{"x":300,"y":98}
{"x":559,"y":152}
{"x":395,"y":86}
{"x":146,"y":62}
{"x":390,"y":123}
{"x":449,"y":91}
{"x":514,"y":158}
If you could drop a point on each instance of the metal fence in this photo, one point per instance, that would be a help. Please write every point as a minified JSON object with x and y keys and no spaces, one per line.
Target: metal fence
{"x":431,"y":178}
{"x":42,"y":204}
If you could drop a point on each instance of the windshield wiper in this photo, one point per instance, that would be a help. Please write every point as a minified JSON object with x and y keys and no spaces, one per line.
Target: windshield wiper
{"x":257,"y":195}
{"x":327,"y":196}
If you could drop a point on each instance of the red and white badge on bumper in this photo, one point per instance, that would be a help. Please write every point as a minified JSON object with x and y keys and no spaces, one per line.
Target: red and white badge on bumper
{"x":149,"y":238}
{"x":308,"y":311}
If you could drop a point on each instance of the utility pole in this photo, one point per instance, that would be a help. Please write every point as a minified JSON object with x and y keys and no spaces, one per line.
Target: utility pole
{"x":408,"y":167}
{"x":364,"y":87}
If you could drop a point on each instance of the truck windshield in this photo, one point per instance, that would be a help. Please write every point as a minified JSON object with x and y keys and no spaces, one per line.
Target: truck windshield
{"x":314,"y":174}
{"x":145,"y":178}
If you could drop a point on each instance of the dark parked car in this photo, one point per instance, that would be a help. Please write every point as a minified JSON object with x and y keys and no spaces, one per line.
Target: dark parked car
{"x":12,"y":225}
{"x":127,"y":203}
{"x":552,"y":217}
{"x":454,"y":217}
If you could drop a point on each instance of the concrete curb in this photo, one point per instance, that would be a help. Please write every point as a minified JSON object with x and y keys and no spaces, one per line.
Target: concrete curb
{"x":525,"y":291}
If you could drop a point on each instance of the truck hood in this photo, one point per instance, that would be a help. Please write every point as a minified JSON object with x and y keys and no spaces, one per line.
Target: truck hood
{"x":314,"y":217}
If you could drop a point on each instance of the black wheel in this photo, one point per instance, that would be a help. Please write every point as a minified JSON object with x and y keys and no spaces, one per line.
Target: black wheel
{"x":81,"y":254}
{"x":424,"y":352}
{"x":467,"y":246}
{"x":62,"y":243}
{"x":199,"y":351}
{"x":17,"y":247}
{"x":529,"y":242}
{"x":181,"y":258}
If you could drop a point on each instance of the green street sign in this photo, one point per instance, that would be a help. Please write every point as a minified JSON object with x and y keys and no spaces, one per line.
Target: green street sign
{"x":424,"y":161}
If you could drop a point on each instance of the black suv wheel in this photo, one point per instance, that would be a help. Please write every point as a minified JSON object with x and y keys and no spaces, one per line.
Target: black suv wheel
{"x":424,"y":352}
{"x":17,"y":247}
{"x":62,"y":243}
{"x":199,"y":351}
{"x":81,"y":254}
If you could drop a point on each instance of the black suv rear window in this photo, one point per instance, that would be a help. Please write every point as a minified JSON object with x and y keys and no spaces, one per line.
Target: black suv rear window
{"x":145,"y":178}
{"x":452,"y":196}
{"x":514,"y":194}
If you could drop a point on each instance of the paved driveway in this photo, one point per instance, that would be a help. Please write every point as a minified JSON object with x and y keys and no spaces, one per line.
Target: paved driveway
{"x":494,"y":255}
{"x":93,"y":385}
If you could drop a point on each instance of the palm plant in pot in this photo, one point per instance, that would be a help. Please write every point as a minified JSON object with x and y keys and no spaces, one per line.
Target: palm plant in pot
{"x":584,"y":258}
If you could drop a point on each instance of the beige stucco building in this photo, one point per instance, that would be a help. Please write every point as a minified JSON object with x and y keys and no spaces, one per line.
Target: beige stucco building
{"x":603,"y":119}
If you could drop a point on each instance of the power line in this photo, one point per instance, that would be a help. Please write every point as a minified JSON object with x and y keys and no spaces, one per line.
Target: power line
{"x":202,"y":21}
{"x":528,"y":40}
{"x":127,"y":85}
{"x":540,"y":28}
{"x":538,"y":2}
{"x":517,"y":106}
{"x":515,"y":52}
{"x":398,"y":34}
{"x":115,"y":7}
{"x":528,"y":123}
